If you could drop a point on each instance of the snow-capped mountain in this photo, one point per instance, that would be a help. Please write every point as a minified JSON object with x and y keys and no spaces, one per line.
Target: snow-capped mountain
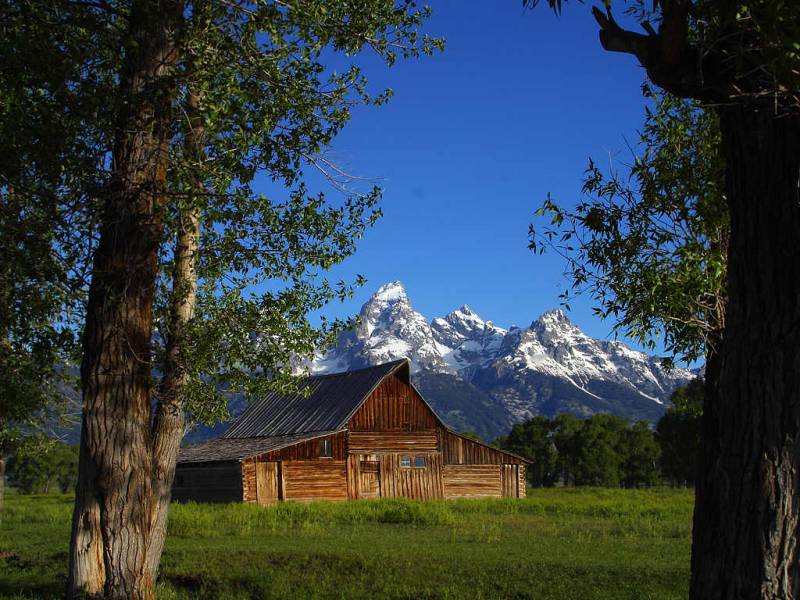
{"x":482,"y":377}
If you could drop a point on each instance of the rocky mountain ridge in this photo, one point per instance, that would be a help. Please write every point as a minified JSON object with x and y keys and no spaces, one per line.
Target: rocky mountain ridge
{"x":482,"y":377}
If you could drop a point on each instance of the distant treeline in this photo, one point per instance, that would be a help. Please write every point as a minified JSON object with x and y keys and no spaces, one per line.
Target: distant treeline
{"x":607,"y":450}
{"x":42,"y":465}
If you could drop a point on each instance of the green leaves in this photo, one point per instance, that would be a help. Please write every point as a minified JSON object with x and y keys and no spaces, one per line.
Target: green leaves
{"x":276,"y":82}
{"x":600,"y":450}
{"x":271,"y":103}
{"x":650,"y":247}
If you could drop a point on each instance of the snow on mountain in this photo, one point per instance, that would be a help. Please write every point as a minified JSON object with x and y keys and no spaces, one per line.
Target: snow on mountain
{"x":388,"y":328}
{"x":466,"y":340}
{"x":550,"y":367}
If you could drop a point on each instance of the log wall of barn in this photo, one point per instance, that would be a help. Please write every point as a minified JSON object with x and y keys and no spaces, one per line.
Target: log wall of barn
{"x":458,"y":450}
{"x":208,"y":482}
{"x":308,"y":480}
{"x":411,"y":482}
{"x":390,"y":441}
{"x":310,"y":449}
{"x":472,"y":481}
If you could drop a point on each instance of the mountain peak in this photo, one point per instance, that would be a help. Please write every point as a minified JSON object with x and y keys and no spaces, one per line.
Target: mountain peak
{"x":391,"y":292}
{"x":554,"y":316}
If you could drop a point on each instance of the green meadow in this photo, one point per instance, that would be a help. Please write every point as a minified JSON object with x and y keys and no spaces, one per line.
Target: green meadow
{"x":557,"y":544}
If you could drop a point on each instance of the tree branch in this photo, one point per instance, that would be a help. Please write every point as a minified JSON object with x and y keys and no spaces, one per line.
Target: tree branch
{"x":671,"y":62}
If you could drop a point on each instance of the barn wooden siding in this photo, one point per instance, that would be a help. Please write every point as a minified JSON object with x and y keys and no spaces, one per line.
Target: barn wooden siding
{"x":208,"y":482}
{"x":458,"y":450}
{"x":472,"y":481}
{"x":393,"y":406}
{"x":381,"y":476}
{"x":381,"y":441}
{"x":255,"y":479}
{"x":307,"y":480}
{"x":310,"y":449}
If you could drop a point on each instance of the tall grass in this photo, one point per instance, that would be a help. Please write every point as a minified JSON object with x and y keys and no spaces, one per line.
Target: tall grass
{"x":558,"y":543}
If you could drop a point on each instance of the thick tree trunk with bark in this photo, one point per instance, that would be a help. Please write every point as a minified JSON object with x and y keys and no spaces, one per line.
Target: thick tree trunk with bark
{"x":746,"y":515}
{"x":2,"y":484}
{"x":111,"y":521}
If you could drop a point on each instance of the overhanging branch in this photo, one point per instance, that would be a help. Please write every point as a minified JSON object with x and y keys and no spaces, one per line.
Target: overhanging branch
{"x":671,"y":62}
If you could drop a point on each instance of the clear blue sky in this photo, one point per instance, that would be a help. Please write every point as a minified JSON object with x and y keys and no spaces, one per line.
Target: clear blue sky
{"x":470,"y":145}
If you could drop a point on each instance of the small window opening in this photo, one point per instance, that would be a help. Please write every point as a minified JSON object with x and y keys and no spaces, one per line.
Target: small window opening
{"x":419,"y":462}
{"x":179,"y":481}
{"x":405,"y":462}
{"x":325,"y":448}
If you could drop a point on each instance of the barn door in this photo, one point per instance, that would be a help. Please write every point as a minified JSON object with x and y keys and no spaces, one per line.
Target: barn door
{"x":266,"y":482}
{"x":369,"y":479}
{"x":510,"y":481}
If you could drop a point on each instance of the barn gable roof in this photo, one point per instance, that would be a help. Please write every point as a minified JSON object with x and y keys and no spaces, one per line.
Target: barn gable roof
{"x":330,"y":403}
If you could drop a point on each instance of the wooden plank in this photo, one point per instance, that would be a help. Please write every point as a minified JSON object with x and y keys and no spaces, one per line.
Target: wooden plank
{"x":472,"y":481}
{"x":369,"y":479}
{"x":363,"y":442}
{"x":509,"y":481}
{"x":411,"y":482}
{"x":385,"y":410}
{"x":266,"y":482}
{"x":315,"y":480}
{"x":310,"y":449}
{"x":352,"y":476}
{"x":458,"y":450}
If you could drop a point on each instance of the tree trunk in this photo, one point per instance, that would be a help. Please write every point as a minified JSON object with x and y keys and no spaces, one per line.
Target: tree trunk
{"x":169,"y":422}
{"x":2,"y":485}
{"x":111,"y":527}
{"x":746,"y":514}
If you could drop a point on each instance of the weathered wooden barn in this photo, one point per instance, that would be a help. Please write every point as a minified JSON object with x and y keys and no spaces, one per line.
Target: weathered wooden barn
{"x":360,"y":434}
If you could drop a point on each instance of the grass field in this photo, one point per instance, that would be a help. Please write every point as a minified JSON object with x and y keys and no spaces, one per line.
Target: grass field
{"x":556,"y":544}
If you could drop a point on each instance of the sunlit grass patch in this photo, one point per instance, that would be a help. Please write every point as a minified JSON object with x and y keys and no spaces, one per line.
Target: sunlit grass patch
{"x":556,"y":544}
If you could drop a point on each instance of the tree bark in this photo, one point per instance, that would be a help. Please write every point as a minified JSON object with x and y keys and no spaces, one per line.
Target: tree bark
{"x":746,"y":514}
{"x":2,"y":485}
{"x":168,"y":426}
{"x":111,"y":525}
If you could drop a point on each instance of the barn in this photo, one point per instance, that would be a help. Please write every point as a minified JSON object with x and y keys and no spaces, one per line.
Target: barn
{"x":360,"y":434}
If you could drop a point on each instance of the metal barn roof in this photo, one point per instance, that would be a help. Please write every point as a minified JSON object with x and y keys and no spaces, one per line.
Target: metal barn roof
{"x":331,"y":402}
{"x":222,"y":449}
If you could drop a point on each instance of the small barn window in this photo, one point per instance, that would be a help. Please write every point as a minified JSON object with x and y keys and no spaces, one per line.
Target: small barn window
{"x":405,"y":462}
{"x":419,"y":462}
{"x":325,"y":448}
{"x":179,"y":481}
